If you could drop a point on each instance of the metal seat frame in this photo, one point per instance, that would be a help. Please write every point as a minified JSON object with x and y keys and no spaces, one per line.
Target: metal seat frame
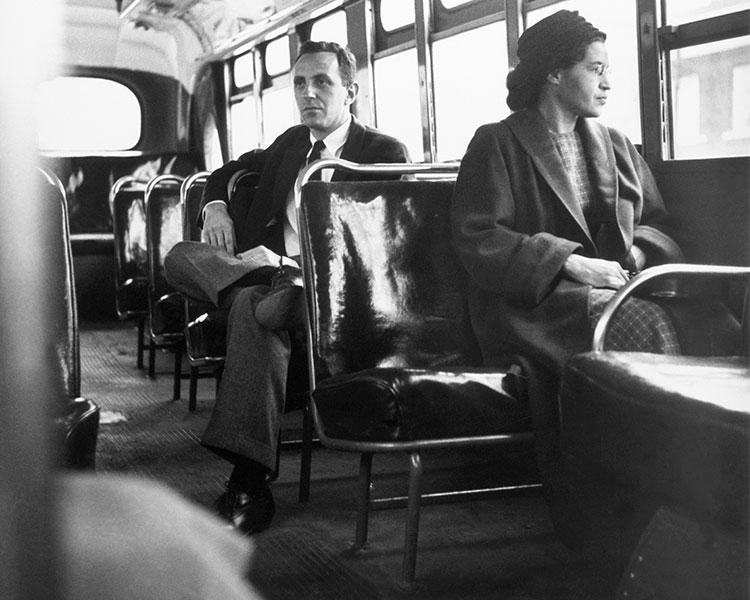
{"x":140,"y":316}
{"x":173,"y":341}
{"x":415,"y":498}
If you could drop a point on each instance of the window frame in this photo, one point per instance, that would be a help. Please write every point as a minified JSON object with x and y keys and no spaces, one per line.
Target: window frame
{"x":656,"y":41}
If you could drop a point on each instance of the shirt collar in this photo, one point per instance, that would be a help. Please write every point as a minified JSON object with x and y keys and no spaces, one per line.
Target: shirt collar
{"x":335,"y":140}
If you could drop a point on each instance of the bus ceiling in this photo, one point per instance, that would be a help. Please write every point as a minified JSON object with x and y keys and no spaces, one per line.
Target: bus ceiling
{"x":167,"y":37}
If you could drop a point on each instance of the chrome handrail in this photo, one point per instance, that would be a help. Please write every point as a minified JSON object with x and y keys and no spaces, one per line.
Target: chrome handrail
{"x":651,"y":274}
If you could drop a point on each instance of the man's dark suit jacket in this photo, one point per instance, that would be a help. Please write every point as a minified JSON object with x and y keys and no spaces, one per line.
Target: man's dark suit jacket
{"x":279,"y":165}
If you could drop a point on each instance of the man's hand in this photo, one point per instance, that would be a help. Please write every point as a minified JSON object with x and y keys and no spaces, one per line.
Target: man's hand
{"x":218,"y":228}
{"x":595,"y":272}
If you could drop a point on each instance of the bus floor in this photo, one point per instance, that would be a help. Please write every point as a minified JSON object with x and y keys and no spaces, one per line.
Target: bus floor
{"x":490,"y":548}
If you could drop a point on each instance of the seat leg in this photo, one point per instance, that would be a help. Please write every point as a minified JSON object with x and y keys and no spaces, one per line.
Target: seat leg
{"x":140,"y":345}
{"x":306,"y":454}
{"x":274,"y":475}
{"x":363,"y":500}
{"x":193,"y":391}
{"x":177,"y":372}
{"x":152,"y":358}
{"x":412,"y":520}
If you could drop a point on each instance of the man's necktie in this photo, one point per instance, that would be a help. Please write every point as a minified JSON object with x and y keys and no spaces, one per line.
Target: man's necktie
{"x":315,"y":154}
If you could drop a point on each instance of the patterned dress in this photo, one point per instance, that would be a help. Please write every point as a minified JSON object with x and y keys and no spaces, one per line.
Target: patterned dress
{"x":640,"y":325}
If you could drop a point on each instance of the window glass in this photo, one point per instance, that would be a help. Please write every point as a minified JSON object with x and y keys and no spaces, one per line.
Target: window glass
{"x":618,"y":20}
{"x":397,"y":100}
{"x":277,"y":56}
{"x":395,"y":14}
{"x":331,"y":28}
{"x":710,"y":91}
{"x":212,"y":144}
{"x":454,"y":3}
{"x":685,"y":11}
{"x":467,"y":93}
{"x":244,"y":70}
{"x":87,"y":114}
{"x":279,"y":113}
{"x":244,"y":126}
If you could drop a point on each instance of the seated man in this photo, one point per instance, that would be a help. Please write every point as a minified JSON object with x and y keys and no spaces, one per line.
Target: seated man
{"x":238,"y":261}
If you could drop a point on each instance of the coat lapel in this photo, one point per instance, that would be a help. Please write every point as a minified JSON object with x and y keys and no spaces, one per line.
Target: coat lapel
{"x":291,"y":161}
{"x":529,"y":127}
{"x":610,"y":240}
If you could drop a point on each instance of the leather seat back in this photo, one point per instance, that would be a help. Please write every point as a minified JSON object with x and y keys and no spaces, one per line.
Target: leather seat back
{"x":61,"y":285}
{"x":192,"y":192}
{"x":130,"y":249}
{"x":389,"y":290}
{"x":163,"y":230}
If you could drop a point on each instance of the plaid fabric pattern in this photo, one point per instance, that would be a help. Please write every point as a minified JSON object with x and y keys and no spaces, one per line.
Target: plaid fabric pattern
{"x":570,"y":147}
{"x":638,"y":326}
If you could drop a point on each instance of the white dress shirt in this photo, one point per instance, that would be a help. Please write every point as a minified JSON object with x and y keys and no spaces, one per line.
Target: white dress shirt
{"x":334,"y":144}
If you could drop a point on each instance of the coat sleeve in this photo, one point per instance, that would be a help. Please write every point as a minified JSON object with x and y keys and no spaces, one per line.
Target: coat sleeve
{"x":521,"y":267}
{"x":218,"y":182}
{"x":381,"y":148}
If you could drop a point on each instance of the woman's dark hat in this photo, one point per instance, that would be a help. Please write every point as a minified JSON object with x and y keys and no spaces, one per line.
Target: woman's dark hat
{"x":542,"y":45}
{"x":551,"y":43}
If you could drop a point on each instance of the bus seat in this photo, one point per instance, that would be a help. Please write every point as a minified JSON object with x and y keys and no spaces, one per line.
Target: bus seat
{"x":76,"y":419}
{"x":166,"y":313}
{"x":205,"y":325}
{"x":662,"y":431}
{"x":393,"y":358}
{"x":131,"y":271}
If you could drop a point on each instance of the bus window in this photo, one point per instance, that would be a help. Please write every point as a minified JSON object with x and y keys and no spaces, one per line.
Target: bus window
{"x":277,"y":57}
{"x":212,"y":144}
{"x":395,"y":14}
{"x":331,"y":28}
{"x":467,"y":92}
{"x":244,"y":70}
{"x":618,"y":20}
{"x":87,"y":114}
{"x":278,"y":113}
{"x":244,"y":126}
{"x":685,"y":11}
{"x":397,"y":100}
{"x":710,"y":91}
{"x":454,"y":3}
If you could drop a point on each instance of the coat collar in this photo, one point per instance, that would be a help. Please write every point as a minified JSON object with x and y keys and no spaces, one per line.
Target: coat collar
{"x":531,"y":131}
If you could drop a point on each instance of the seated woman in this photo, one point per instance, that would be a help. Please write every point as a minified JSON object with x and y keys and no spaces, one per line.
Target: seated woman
{"x":552,"y":213}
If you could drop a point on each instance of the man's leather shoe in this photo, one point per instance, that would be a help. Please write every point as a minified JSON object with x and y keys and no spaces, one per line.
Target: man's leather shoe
{"x":249,"y":513}
{"x":282,"y":307}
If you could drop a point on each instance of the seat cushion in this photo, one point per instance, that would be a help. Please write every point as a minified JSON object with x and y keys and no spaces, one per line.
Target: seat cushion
{"x":167,"y":316}
{"x":677,"y":425}
{"x":132,"y":298}
{"x":399,"y":405}
{"x":206,"y":336}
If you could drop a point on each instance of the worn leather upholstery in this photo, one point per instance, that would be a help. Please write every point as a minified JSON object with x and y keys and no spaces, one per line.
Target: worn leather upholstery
{"x":164,"y":230}
{"x":76,"y":419}
{"x":131,"y":269}
{"x":390,"y":324}
{"x":677,"y":427}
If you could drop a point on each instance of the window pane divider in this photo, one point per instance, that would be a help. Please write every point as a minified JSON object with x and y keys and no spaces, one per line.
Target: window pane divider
{"x":714,"y":29}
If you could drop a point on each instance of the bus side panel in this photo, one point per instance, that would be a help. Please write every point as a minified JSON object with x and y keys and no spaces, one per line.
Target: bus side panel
{"x":709,"y":201}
